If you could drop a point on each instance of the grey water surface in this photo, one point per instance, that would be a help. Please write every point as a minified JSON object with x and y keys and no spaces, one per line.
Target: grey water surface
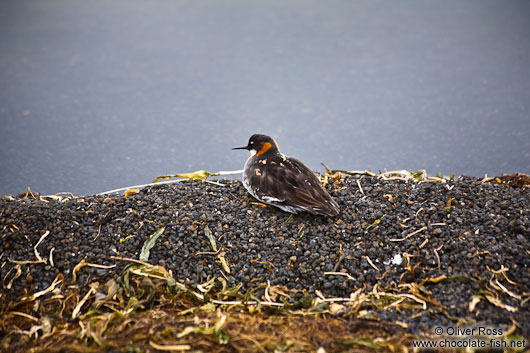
{"x":96,"y":95}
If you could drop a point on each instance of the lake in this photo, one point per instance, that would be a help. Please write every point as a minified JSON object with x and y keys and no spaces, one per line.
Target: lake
{"x":105,"y":94}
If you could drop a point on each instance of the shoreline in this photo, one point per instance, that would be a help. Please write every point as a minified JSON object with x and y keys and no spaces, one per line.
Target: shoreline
{"x":435,"y":249}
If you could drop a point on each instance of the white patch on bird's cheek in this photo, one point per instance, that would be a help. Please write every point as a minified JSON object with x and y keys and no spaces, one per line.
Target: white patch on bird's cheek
{"x":253,"y":152}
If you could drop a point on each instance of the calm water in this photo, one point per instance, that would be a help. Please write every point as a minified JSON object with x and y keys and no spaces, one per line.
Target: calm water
{"x":103,"y":94}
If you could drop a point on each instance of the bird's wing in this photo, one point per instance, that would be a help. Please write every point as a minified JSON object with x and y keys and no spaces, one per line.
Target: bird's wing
{"x":290,"y":182}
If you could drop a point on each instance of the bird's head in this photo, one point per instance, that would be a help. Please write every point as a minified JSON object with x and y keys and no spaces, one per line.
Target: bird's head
{"x":259,"y":144}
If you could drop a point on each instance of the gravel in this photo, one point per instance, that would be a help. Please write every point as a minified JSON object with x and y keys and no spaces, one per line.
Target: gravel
{"x":389,"y":233}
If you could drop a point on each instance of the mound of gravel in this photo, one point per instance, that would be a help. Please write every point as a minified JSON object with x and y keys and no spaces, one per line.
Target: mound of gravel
{"x":389,"y":233}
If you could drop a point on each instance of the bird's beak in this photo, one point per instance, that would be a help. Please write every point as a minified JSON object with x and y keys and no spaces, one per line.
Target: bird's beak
{"x":240,"y":148}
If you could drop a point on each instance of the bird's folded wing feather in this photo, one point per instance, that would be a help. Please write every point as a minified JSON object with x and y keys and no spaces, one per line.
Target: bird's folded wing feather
{"x":292,"y":184}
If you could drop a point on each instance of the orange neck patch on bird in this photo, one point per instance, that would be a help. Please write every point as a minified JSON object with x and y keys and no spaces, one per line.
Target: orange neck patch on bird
{"x":265,"y":146}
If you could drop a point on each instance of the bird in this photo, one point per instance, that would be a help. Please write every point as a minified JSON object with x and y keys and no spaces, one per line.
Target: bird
{"x":284,"y":182}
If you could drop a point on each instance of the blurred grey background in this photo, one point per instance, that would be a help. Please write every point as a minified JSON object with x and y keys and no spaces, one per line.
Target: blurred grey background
{"x":97,"y":95}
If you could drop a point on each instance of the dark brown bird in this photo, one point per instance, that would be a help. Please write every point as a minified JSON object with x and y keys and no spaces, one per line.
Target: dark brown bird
{"x":282,"y":181}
